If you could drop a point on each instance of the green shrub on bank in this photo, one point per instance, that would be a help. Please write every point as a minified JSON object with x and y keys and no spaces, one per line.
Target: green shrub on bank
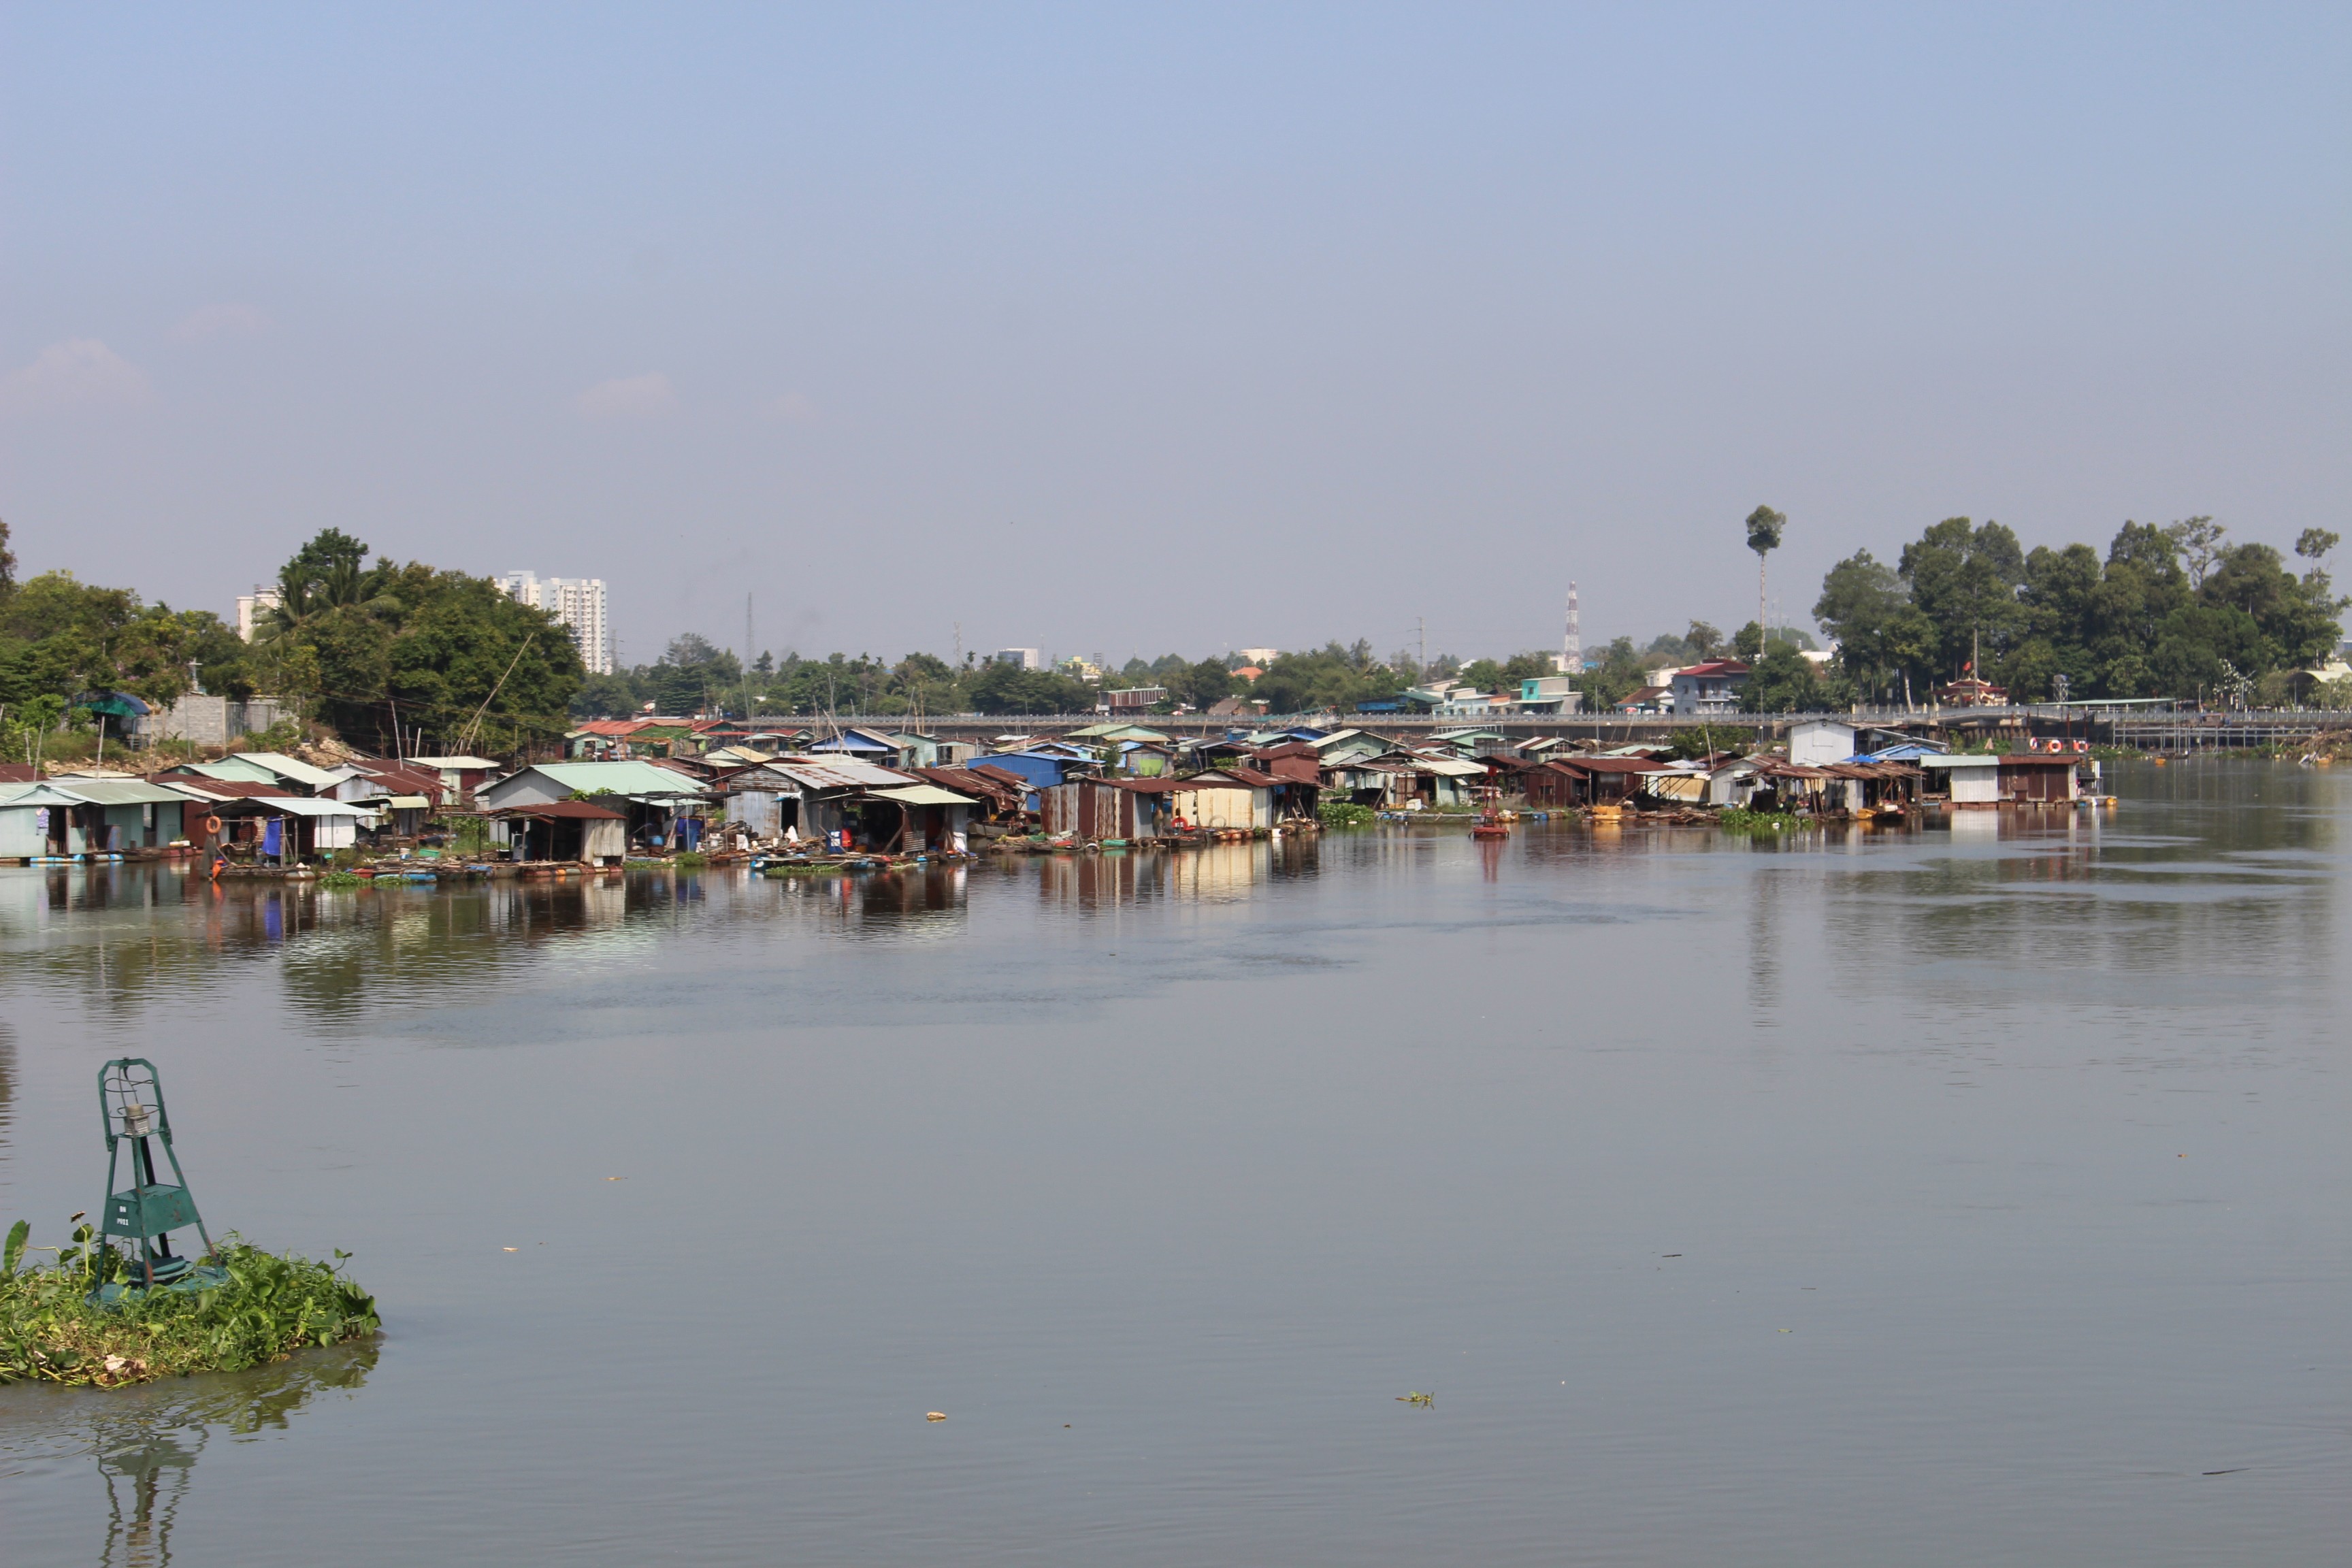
{"x":336,"y":877}
{"x":271,"y":1307}
{"x":1345,"y":814}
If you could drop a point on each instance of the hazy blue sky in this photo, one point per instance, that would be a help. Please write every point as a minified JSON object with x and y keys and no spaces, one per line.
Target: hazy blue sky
{"x":1120,"y":328}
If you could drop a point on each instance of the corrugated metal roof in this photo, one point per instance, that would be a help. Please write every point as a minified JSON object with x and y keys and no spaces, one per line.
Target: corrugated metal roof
{"x":37,"y":795}
{"x":123,"y":792}
{"x":837,"y":773}
{"x":234,"y":772}
{"x":926,"y":795}
{"x":287,"y":767}
{"x":579,"y":809}
{"x":627,"y":777}
{"x":290,"y":805}
{"x":1605,"y":765}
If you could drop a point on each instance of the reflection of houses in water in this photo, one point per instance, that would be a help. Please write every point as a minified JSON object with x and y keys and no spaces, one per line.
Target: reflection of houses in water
{"x":1113,"y":878}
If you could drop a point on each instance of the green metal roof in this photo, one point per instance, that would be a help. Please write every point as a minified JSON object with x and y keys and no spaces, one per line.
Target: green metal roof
{"x":628,"y":777}
{"x":293,"y":768}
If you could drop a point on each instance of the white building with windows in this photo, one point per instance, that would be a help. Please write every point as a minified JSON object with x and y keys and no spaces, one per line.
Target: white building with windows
{"x":576,"y":602}
{"x":1020,"y":658}
{"x":251,"y":607}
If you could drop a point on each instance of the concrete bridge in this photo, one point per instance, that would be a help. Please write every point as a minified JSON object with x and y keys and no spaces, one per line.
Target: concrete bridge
{"x":2142,"y":728}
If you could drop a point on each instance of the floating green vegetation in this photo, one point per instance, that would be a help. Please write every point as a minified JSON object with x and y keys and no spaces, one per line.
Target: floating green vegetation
{"x":1346,"y":813}
{"x":271,"y":1307}
{"x":338,"y":877}
{"x":690,"y":860}
{"x":1740,"y":819}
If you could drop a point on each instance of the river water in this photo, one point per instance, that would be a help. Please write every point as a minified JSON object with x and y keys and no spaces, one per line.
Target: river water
{"x":1961,"y":1195}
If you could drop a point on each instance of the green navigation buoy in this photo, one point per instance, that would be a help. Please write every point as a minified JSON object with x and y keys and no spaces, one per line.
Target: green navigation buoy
{"x":145,"y":1213}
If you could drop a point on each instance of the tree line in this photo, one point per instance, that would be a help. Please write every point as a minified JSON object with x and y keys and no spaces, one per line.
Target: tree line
{"x":386,"y":654}
{"x":408,"y":656}
{"x":2170,"y":611}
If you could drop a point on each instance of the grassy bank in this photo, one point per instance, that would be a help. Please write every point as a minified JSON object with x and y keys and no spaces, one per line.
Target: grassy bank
{"x":270,"y":1307}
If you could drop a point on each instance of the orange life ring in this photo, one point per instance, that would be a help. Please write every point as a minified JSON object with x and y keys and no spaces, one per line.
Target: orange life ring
{"x":2082,"y":745}
{"x":212,"y":825}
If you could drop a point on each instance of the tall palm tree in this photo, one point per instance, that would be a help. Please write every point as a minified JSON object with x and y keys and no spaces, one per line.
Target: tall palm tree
{"x":1764,"y":526}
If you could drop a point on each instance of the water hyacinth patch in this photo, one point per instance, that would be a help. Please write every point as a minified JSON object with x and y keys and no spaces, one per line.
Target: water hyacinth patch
{"x":1740,"y":819}
{"x":271,"y":1306}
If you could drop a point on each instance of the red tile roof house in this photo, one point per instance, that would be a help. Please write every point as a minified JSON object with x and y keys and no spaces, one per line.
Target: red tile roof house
{"x":1709,"y":688}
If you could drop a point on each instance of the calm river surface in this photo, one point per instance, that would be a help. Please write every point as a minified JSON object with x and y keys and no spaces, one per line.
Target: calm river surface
{"x":1957,"y":1196}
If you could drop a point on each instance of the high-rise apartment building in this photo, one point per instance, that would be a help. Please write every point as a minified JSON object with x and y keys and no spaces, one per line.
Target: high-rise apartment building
{"x":578,"y":602}
{"x":251,"y":607}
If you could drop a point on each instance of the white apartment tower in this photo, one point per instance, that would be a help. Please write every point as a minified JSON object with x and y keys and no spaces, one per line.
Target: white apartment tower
{"x":578,"y":602}
{"x":251,"y":607}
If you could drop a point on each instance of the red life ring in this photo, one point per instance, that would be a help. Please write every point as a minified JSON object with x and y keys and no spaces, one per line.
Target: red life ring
{"x":1182,"y":825}
{"x":2082,"y":745}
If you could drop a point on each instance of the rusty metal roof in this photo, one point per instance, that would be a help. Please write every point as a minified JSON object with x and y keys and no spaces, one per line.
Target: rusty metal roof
{"x":837,"y":773}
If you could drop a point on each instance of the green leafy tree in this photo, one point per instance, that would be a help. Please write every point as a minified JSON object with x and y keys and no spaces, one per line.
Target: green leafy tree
{"x":1784,"y":681}
{"x":1483,"y":673}
{"x":1201,"y":683}
{"x":1333,"y":677}
{"x":1610,"y":676}
{"x":1965,"y":580}
{"x":1008,"y":689}
{"x":1883,"y":639}
{"x":2198,"y":542}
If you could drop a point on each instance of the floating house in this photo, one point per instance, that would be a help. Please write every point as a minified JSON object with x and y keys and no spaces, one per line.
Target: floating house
{"x":562,"y":830}
{"x":1966,"y":779}
{"x":653,"y":795}
{"x":461,"y":776}
{"x":285,"y":829}
{"x":39,"y":821}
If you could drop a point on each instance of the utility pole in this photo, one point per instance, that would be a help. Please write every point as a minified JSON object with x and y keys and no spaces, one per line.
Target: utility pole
{"x":1421,"y":642}
{"x":958,"y":645}
{"x":747,"y":658}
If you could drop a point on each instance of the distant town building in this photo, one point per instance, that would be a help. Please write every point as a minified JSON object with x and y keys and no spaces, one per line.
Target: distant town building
{"x":251,"y":607}
{"x":578,"y":602}
{"x":1709,"y":688}
{"x":1260,"y":656}
{"x":1020,"y":658}
{"x":1549,"y":694}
